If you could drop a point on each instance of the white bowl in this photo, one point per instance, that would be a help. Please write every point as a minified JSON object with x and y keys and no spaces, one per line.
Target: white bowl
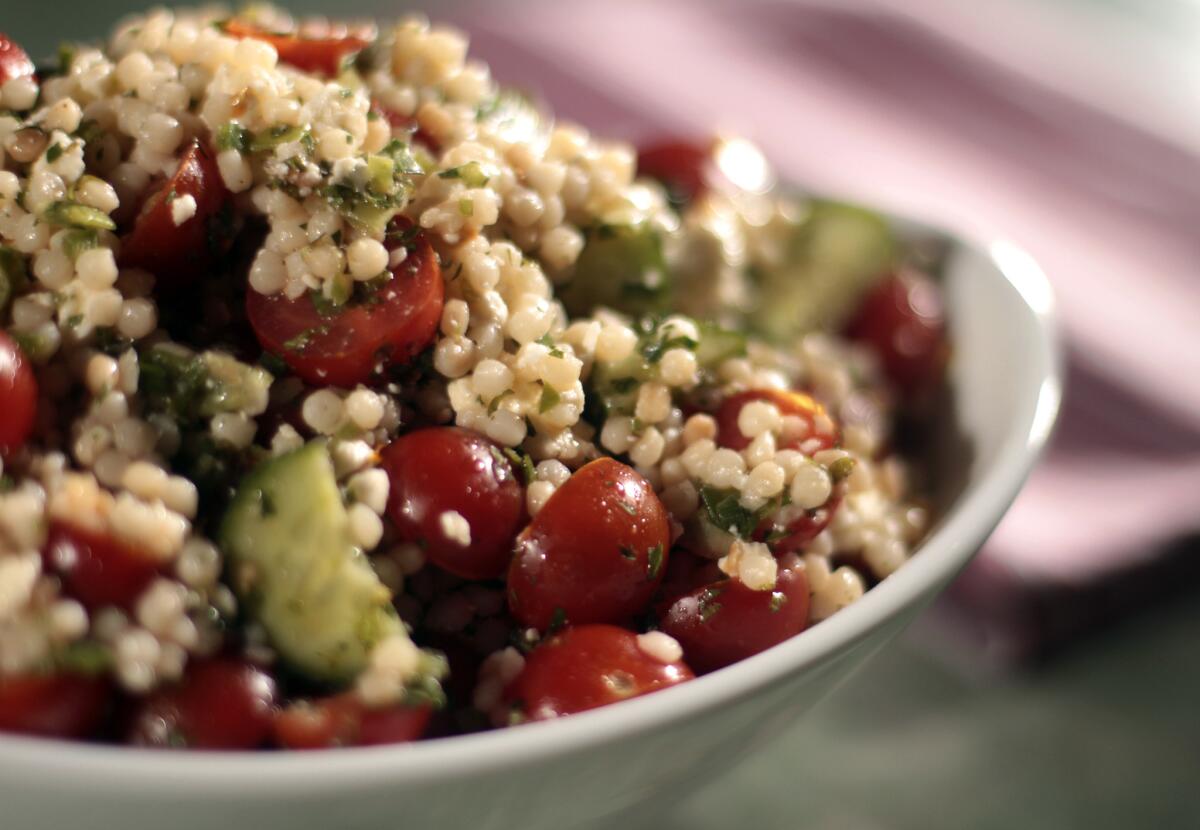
{"x":1005,"y":389}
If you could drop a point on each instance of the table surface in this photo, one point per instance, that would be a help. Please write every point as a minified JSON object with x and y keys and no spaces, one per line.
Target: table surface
{"x":1107,"y":736}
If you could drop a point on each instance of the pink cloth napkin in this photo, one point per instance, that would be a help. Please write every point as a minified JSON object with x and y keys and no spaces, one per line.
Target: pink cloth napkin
{"x":879,"y":107}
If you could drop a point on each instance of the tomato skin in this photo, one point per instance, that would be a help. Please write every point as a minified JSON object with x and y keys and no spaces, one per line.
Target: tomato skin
{"x":793,"y":536}
{"x":323,"y":56}
{"x":901,"y":318}
{"x":724,"y":622}
{"x":14,"y":62}
{"x":686,"y":167}
{"x":219,"y":704}
{"x":96,"y":568}
{"x":53,"y":706}
{"x":342,"y":720}
{"x":177,"y":254}
{"x":345,"y":348}
{"x":18,"y":396}
{"x":587,"y":555}
{"x":587,"y":666}
{"x":800,"y":404}
{"x":441,"y":469}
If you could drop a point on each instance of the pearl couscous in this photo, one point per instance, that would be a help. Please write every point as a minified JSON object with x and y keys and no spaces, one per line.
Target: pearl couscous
{"x":347,"y":398}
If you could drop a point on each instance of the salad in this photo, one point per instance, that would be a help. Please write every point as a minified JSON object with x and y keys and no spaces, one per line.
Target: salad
{"x":347,"y":398}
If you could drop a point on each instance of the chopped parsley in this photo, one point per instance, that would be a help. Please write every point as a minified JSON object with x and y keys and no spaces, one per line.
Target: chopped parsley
{"x":778,"y":599}
{"x":627,"y":552}
{"x":233,"y":136}
{"x":471,"y":174}
{"x":726,"y":512}
{"x":53,"y":153}
{"x":654,"y":562}
{"x":549,"y":399}
{"x":547,"y":341}
{"x":841,"y":469}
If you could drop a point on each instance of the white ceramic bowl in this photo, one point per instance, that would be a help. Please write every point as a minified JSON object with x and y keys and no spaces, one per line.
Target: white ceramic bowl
{"x":1005,"y":388}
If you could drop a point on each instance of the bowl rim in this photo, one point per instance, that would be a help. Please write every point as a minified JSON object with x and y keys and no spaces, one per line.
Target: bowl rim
{"x":947,"y":548}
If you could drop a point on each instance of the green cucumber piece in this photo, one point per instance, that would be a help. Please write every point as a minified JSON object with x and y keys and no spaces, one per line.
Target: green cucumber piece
{"x":297,"y":571}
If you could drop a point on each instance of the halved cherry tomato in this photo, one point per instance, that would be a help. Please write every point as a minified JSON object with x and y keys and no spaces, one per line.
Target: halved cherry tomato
{"x":902,"y":319}
{"x":822,"y":431}
{"x":322,"y":55}
{"x":343,"y":720}
{"x":53,"y":706}
{"x":219,"y":704}
{"x":14,"y":62}
{"x":18,"y":396}
{"x":177,"y":253}
{"x":444,"y":470}
{"x":793,"y":528}
{"x":595,"y":552}
{"x":686,"y":168}
{"x":347,"y":347}
{"x":97,"y":568}
{"x":586,"y":666}
{"x":725,"y":621}
{"x":686,"y":572}
{"x":408,"y":124}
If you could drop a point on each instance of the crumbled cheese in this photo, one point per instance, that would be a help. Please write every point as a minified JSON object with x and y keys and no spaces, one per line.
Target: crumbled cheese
{"x":392,"y":664}
{"x":752,"y":564}
{"x":455,"y":527}
{"x":183,"y":208}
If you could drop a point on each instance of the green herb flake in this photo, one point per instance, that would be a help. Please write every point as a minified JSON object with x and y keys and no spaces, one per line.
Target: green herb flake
{"x":557,"y":620}
{"x":547,"y":341}
{"x":778,"y":600}
{"x":233,"y":136}
{"x":708,"y":605}
{"x":627,"y":552}
{"x":842,"y":468}
{"x":70,"y":214}
{"x":522,"y":462}
{"x":53,"y":153}
{"x":549,"y":399}
{"x":654,"y":562}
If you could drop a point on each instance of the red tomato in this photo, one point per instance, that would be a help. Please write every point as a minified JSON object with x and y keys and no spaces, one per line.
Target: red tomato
{"x":725,"y":621}
{"x":823,"y":433}
{"x":595,"y":552}
{"x":686,"y":167}
{"x":442,"y":469}
{"x":219,"y":704}
{"x":343,"y":720}
{"x":348,"y":346}
{"x":408,"y":124}
{"x":685,"y":572}
{"x":53,"y":706}
{"x":178,"y":253}
{"x":322,"y":55}
{"x":901,"y":318}
{"x":96,"y":568}
{"x":14,"y":63}
{"x":794,"y":533}
{"x":586,"y":666}
{"x":18,"y":396}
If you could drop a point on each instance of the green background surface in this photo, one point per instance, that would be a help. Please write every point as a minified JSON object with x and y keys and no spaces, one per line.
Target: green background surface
{"x":1106,"y":736}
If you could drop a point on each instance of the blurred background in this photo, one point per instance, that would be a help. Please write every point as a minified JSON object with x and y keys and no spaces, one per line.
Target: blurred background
{"x":1058,"y":683}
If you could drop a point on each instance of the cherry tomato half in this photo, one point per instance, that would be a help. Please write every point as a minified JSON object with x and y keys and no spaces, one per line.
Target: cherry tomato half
{"x":347,"y":346}
{"x":902,"y":319}
{"x":18,"y":396}
{"x":586,"y":666}
{"x":822,"y":433}
{"x":321,"y":55}
{"x":219,"y":704}
{"x":343,"y":720}
{"x":686,"y":168}
{"x":793,"y":528}
{"x":723,"y":622}
{"x":97,"y":568}
{"x":595,"y":552}
{"x":450,"y":470}
{"x":177,"y":253}
{"x":53,"y":706}
{"x":14,"y":62}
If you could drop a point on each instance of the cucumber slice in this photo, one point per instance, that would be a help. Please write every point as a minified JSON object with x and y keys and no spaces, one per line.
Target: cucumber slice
{"x":837,"y":251}
{"x":621,"y":267}
{"x":298,"y":572}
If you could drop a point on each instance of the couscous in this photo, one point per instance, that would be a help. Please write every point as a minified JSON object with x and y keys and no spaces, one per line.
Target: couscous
{"x":346,"y":398}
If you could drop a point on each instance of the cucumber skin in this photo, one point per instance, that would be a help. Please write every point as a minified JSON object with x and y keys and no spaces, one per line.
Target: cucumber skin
{"x":297,"y":572}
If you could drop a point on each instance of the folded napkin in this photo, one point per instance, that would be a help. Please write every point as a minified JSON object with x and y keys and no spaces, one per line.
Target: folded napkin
{"x":870,"y":102}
